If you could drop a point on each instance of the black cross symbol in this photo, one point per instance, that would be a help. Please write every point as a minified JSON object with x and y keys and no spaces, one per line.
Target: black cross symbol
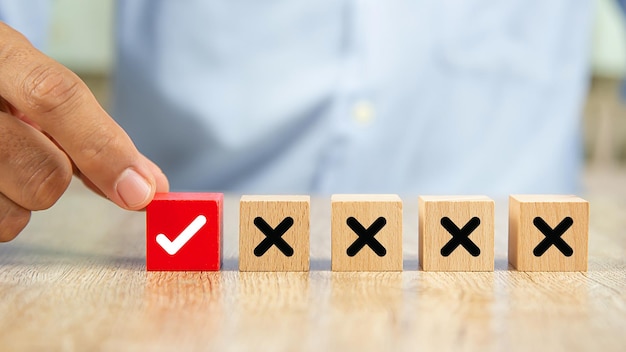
{"x":366,"y":236}
{"x":553,"y":236}
{"x":460,"y":237}
{"x":273,"y":237}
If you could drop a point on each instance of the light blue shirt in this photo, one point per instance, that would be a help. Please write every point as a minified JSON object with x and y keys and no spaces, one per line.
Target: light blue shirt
{"x":29,"y":17}
{"x":363,"y":96}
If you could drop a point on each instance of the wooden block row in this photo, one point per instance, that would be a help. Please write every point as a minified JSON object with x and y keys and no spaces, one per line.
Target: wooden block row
{"x":456,"y":233}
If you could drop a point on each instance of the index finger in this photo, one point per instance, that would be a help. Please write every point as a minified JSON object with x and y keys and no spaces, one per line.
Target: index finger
{"x":61,"y":104}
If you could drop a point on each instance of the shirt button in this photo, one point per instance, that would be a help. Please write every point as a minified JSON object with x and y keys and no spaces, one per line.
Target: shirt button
{"x":363,"y":112}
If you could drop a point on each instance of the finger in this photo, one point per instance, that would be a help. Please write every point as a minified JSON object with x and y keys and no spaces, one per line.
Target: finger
{"x":163,"y":184}
{"x":13,"y":219}
{"x":161,"y":179}
{"x":4,"y":105}
{"x":58,"y":101}
{"x":35,"y":173}
{"x":10,"y":109}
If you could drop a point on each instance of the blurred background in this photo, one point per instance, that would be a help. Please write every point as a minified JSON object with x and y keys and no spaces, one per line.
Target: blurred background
{"x":82,"y":39}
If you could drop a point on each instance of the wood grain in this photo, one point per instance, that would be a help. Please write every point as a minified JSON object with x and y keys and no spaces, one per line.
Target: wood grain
{"x":433,"y":236}
{"x":524,"y":236}
{"x":366,"y":209}
{"x":75,"y":280}
{"x":274,"y":210}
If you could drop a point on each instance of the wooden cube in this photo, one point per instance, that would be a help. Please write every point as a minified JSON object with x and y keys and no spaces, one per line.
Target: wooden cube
{"x":366,"y":232}
{"x":548,"y":232}
{"x":456,"y":233}
{"x":274,"y":233}
{"x":184,"y":232}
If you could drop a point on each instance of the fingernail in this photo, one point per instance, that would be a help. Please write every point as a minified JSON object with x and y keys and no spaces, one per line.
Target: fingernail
{"x":132,"y":188}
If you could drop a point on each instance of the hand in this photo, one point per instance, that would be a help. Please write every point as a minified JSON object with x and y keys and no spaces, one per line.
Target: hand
{"x":51,"y":126}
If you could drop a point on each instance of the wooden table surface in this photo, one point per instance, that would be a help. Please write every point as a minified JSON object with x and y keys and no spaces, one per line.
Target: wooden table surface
{"x":75,"y":279}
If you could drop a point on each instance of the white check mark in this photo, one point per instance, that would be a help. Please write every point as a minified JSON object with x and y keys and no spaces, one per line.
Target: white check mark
{"x":171,"y":247}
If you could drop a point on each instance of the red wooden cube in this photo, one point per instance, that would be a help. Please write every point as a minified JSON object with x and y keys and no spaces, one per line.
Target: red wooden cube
{"x":184,"y":232}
